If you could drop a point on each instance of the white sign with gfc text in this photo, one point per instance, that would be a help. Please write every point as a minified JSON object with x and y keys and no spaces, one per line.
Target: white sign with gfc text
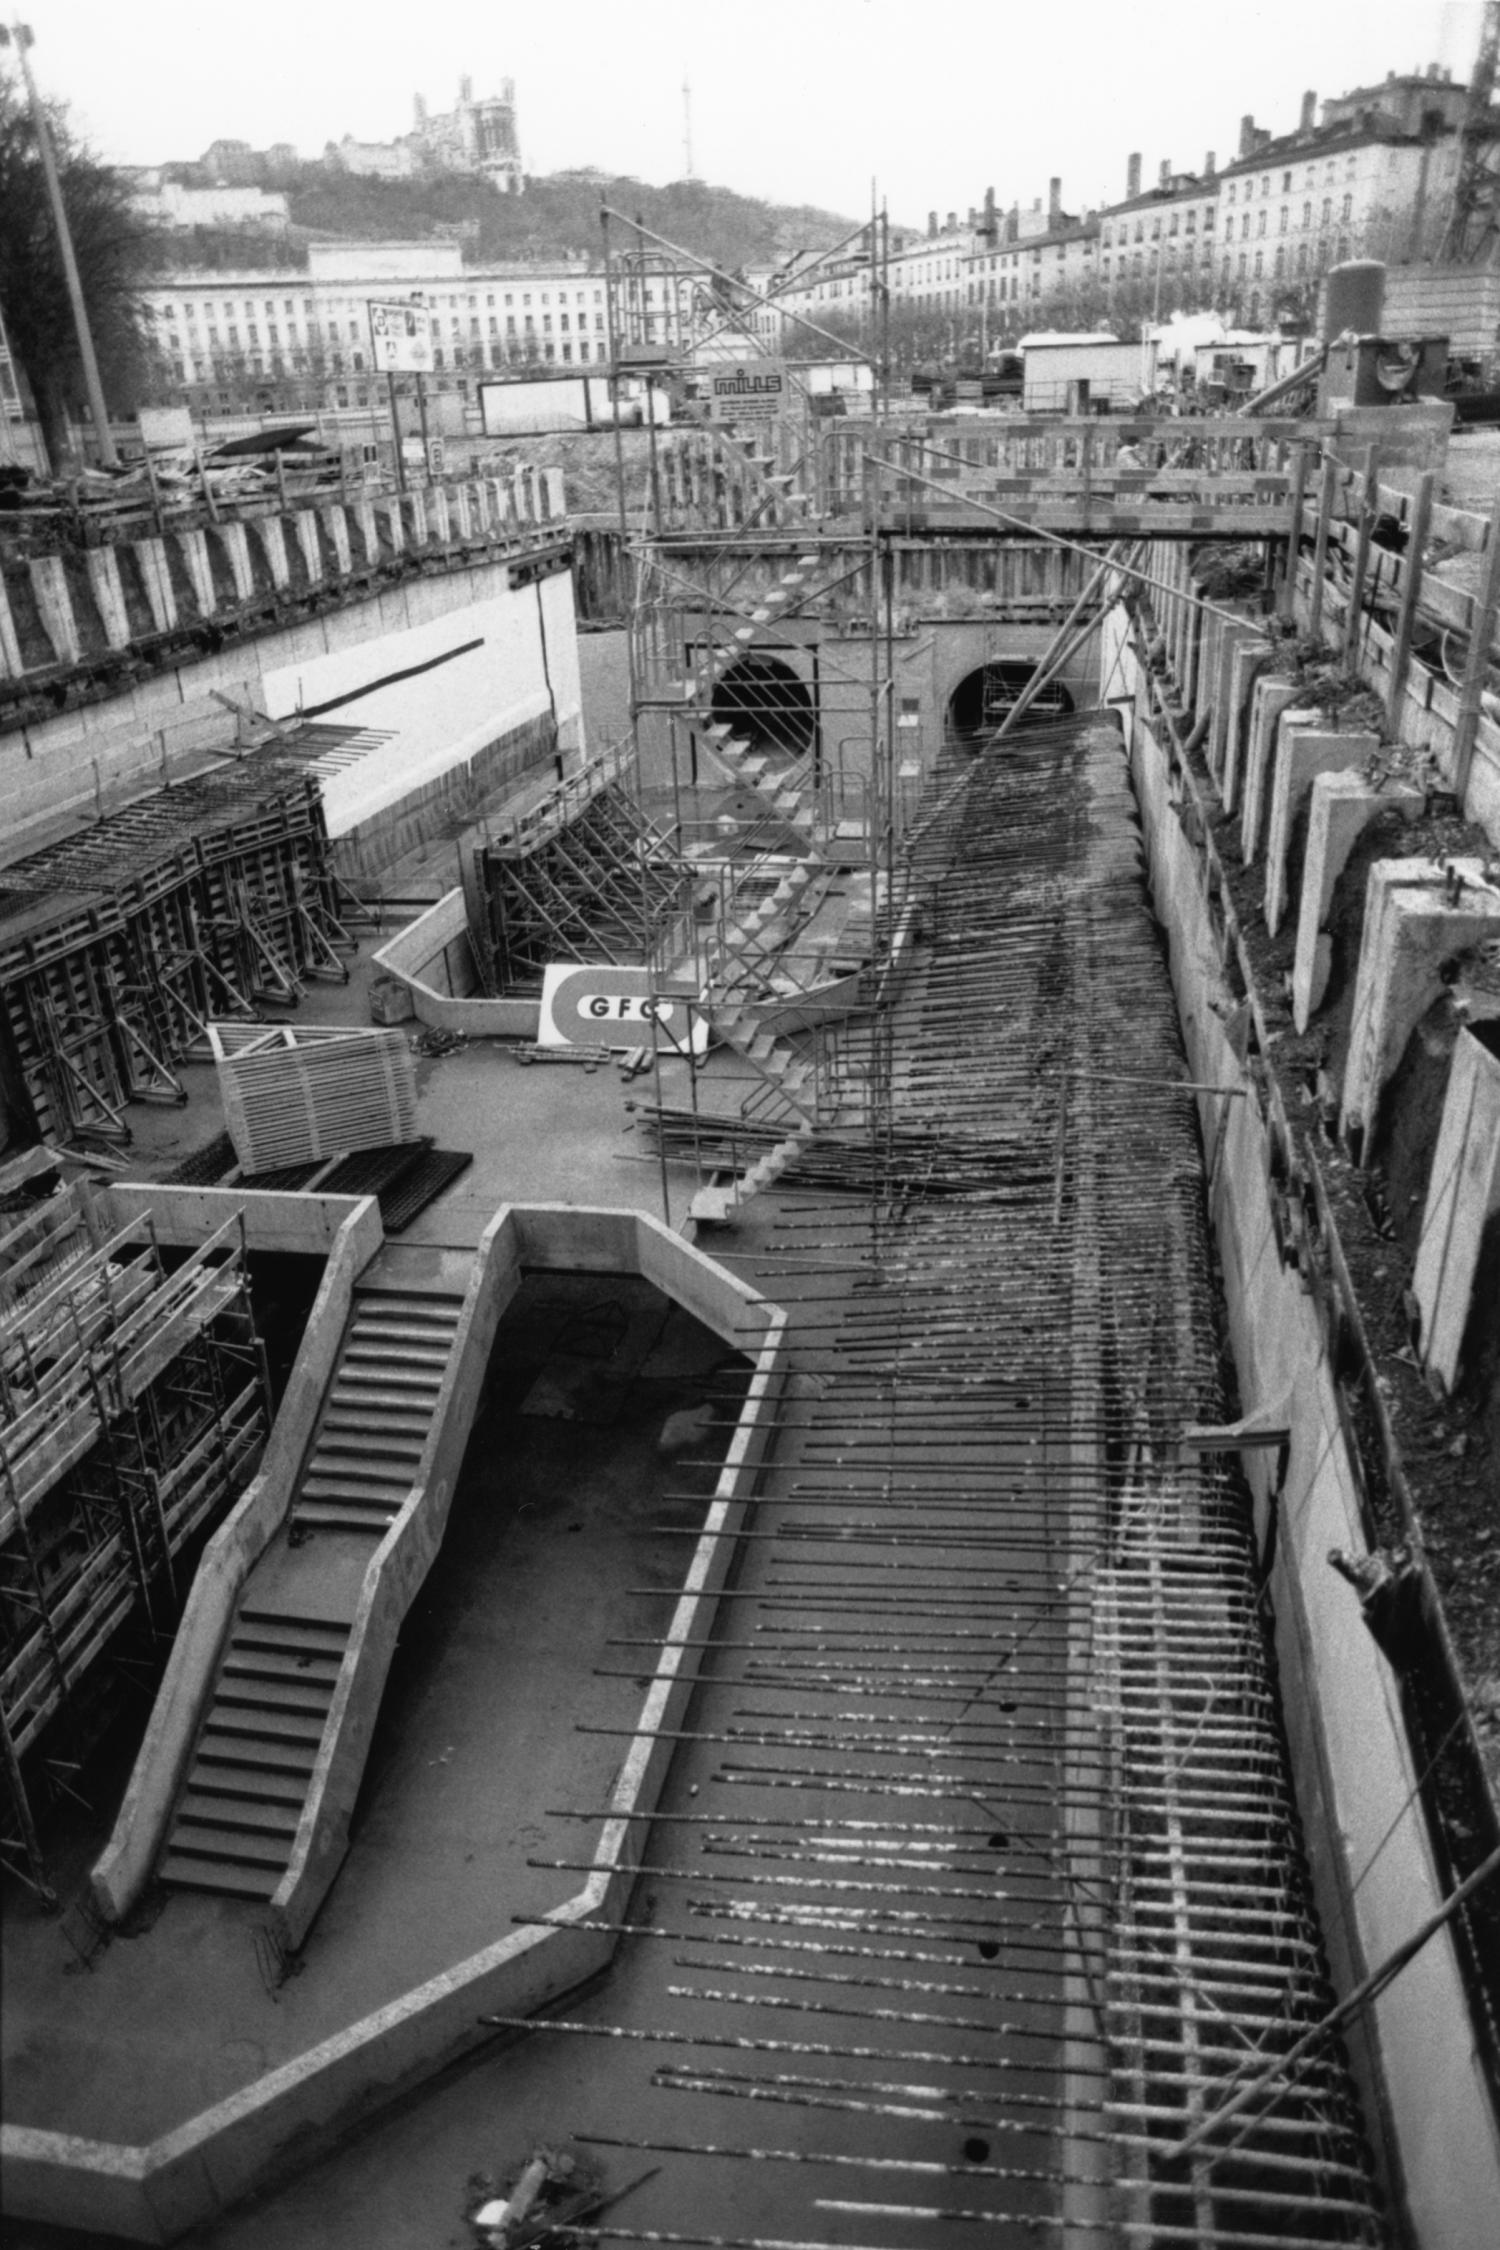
{"x":607,"y":1006}
{"x":401,"y":338}
{"x":753,"y":390}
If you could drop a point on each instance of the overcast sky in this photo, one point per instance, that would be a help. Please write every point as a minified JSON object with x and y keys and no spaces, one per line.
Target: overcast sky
{"x":797,"y":100}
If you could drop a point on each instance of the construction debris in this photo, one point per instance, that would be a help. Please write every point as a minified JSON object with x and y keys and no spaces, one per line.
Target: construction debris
{"x":554,"y":2189}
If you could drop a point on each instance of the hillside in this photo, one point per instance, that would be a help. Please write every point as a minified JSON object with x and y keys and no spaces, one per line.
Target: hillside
{"x":557,"y":214}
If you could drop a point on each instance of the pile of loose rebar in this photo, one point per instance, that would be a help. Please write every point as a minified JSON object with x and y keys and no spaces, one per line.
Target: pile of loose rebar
{"x":978,"y":1895}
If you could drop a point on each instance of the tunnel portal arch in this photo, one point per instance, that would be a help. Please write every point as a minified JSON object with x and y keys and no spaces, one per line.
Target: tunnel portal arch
{"x":985,"y":697}
{"x":762,"y":698}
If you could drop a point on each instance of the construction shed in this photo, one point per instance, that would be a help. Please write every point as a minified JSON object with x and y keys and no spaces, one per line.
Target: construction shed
{"x":1073,"y":374}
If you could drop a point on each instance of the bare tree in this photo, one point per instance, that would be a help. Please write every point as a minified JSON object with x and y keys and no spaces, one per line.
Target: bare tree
{"x":112,"y":248}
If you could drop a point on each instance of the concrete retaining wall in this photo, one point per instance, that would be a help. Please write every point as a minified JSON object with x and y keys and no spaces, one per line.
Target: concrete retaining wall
{"x":1357,"y":1783}
{"x":183,"y":716}
{"x":193,"y":576}
{"x":430,"y":956}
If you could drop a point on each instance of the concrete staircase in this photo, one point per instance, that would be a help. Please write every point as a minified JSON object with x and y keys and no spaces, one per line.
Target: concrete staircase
{"x":718,"y":1206}
{"x":252,"y":1769}
{"x":379,"y":1412}
{"x":785,"y":790}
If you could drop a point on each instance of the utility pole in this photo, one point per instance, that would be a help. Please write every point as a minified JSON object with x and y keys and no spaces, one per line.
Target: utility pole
{"x":20,"y":35}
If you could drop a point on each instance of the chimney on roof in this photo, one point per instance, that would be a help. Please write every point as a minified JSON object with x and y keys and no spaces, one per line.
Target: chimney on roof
{"x":1309,"y":112}
{"x":1132,"y":176}
{"x":1164,"y":177}
{"x":952,"y":221}
{"x":1247,"y":136}
{"x":466,"y":88}
{"x":931,"y":224}
{"x":1433,"y":72}
{"x":1054,"y":200}
{"x":1209,"y":166}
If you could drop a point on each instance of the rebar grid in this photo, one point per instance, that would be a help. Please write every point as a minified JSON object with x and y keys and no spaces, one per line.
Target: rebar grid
{"x":989,"y":1811}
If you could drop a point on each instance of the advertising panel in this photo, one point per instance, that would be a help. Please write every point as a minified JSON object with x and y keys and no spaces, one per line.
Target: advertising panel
{"x":604,"y":1005}
{"x":751,"y":390}
{"x":400,"y":338}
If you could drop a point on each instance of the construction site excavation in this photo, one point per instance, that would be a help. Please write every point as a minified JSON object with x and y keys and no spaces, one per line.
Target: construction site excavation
{"x":750,"y":1361}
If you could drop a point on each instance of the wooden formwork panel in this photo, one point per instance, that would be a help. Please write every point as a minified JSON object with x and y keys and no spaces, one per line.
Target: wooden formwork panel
{"x":118,"y":944}
{"x":291,"y":1096}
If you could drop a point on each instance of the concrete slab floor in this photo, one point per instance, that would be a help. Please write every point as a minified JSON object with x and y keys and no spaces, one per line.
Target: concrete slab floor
{"x":553,"y":1524}
{"x":551,"y":1134}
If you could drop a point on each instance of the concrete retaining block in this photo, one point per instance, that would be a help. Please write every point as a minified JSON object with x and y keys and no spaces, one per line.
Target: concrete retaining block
{"x":305,"y":526}
{"x":237,"y":551}
{"x":1304,"y":749}
{"x":156,"y":578}
{"x":10,"y":643}
{"x":193,"y":548}
{"x":272,"y":531}
{"x":1343,"y":806}
{"x":1247,"y":659}
{"x":49,"y":585}
{"x":337,"y":521}
{"x":1463,"y":1194}
{"x":1271,"y":698}
{"x":103,"y":566}
{"x":1418,"y":915}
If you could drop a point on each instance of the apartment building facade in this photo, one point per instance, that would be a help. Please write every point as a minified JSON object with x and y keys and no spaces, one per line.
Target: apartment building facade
{"x":1372,"y":176}
{"x":303,"y":338}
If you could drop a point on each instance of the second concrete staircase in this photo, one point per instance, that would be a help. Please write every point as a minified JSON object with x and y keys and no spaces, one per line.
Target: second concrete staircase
{"x":272,"y":1705}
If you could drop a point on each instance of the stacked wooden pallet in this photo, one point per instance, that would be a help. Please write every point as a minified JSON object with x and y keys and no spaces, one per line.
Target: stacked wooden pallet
{"x":291,"y":1095}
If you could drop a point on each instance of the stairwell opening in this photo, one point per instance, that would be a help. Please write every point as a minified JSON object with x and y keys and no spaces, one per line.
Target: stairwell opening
{"x":985,"y":697}
{"x":762,"y":698}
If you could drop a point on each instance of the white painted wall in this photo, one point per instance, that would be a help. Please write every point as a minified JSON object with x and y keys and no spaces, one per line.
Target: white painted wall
{"x":527,"y":639}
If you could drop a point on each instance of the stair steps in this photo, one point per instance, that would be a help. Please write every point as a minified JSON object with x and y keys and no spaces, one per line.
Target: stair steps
{"x":719,"y":1206}
{"x":237,"y":1817}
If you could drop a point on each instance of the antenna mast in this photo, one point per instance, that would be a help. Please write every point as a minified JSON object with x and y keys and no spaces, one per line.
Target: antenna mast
{"x":687,"y":130}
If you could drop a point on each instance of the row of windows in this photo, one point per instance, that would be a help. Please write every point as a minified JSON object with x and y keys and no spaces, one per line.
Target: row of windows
{"x":1249,"y":187}
{"x":1189,"y":225}
{"x":212,"y":306}
{"x":277,"y":364}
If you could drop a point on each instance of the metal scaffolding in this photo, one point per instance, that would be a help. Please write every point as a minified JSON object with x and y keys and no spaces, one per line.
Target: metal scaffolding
{"x":134,"y":1403}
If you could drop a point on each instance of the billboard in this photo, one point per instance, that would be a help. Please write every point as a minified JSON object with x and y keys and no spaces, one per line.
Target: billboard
{"x":612,"y":1006}
{"x":748,"y":390}
{"x":519,"y":405}
{"x":166,"y":429}
{"x":400,"y":338}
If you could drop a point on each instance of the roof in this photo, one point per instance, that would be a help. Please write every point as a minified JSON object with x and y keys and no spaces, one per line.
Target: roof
{"x":1080,"y":338}
{"x":1345,"y":133}
{"x":1185,"y":188}
{"x":1076,"y":230}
